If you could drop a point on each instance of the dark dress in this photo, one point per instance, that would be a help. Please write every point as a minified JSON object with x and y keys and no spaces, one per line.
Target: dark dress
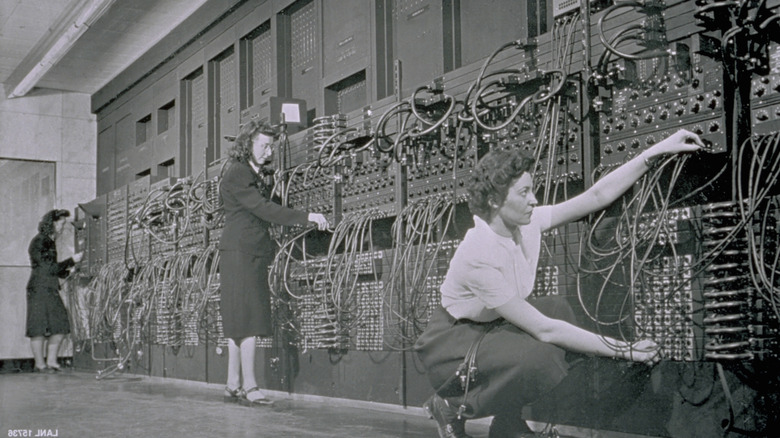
{"x":246,"y":250}
{"x":46,"y":314}
{"x":513,"y":368}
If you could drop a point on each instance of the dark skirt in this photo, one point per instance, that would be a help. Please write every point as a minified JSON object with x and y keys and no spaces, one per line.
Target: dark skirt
{"x":46,"y":313}
{"x":513,"y":368}
{"x":245,"y":297}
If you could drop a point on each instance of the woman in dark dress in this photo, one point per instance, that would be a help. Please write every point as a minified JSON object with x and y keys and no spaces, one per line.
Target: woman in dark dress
{"x":246,"y":251}
{"x":47,"y":319}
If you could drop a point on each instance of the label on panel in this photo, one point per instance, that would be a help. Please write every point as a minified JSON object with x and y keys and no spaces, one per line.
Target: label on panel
{"x":352,"y":97}
{"x":345,"y":34}
{"x":305,"y":54}
{"x":418,"y":30}
{"x":482,"y":33}
{"x":262,"y":65}
{"x":198,"y":128}
{"x":105,"y":160}
{"x":228,"y":102}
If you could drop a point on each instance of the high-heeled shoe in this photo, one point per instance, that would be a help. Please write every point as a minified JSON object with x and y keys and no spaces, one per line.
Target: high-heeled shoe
{"x":447,"y":421}
{"x":261,"y":401}
{"x":232,"y":395}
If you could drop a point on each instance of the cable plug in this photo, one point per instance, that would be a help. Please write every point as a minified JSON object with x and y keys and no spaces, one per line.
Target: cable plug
{"x":525,"y":43}
{"x":708,"y":146}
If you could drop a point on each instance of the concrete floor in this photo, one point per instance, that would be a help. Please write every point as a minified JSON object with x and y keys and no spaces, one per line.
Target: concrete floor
{"x":76,"y":404}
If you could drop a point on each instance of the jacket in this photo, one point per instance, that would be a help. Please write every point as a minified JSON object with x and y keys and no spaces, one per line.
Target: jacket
{"x":249,"y":212}
{"x":46,"y":271}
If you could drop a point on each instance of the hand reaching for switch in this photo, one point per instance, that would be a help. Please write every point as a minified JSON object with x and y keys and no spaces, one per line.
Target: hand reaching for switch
{"x":319,"y":220}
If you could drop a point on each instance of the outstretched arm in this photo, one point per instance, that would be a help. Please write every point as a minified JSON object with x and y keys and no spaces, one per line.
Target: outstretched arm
{"x":611,"y":186}
{"x":570,"y":337}
{"x":498,"y":291}
{"x":43,"y":253}
{"x":240,"y":183}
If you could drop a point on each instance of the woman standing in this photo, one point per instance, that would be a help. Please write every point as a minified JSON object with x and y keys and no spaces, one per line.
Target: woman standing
{"x":246,"y":251}
{"x":47,"y":319}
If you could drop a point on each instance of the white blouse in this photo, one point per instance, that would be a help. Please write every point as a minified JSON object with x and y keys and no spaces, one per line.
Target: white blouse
{"x":487,"y":269}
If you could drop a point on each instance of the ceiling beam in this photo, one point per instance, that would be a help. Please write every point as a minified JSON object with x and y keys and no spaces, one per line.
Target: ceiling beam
{"x":54,"y":45}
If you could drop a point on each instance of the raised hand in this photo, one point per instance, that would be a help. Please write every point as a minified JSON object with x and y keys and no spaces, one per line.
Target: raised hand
{"x":681,"y":141}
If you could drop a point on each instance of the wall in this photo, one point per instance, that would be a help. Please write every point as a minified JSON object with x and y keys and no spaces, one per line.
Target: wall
{"x":54,"y":127}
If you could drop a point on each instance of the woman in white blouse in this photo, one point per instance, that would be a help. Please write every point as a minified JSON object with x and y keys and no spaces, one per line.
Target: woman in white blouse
{"x":485,"y":316}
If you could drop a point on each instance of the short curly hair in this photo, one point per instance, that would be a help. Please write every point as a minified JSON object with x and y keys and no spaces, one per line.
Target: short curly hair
{"x":242,"y":149}
{"x":492,"y":177}
{"x":46,"y":225}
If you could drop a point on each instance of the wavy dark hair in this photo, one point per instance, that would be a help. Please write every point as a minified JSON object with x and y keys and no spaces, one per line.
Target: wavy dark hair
{"x":242,"y":148}
{"x":492,"y":177}
{"x":46,"y":225}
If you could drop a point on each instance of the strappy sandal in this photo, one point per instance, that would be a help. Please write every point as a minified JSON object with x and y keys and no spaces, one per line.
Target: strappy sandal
{"x":232,"y":395}
{"x":262,"y":401}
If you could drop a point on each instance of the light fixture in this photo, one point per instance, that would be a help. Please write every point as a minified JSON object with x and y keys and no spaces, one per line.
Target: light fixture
{"x":287,"y":112}
{"x":50,"y":49}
